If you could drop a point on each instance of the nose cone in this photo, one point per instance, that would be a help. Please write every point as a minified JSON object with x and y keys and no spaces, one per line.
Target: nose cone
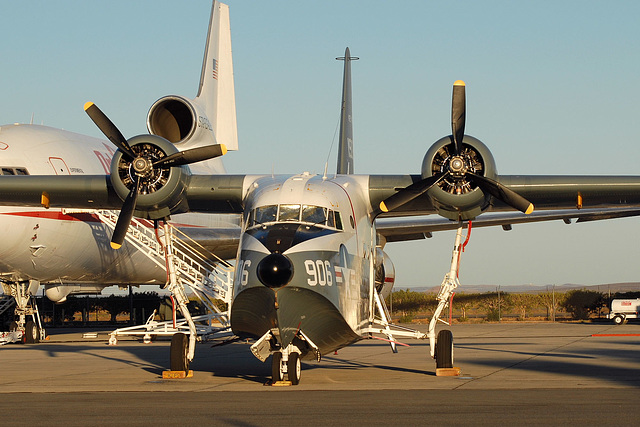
{"x":275,"y":270}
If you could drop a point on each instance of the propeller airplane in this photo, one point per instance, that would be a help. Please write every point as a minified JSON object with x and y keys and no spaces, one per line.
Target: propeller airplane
{"x":311,"y":274}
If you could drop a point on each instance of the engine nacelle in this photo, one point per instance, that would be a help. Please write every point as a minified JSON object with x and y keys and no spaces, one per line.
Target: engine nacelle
{"x":162,"y":189}
{"x":385,"y":273}
{"x":180,"y":120}
{"x":456,"y":197}
{"x":59,"y":293}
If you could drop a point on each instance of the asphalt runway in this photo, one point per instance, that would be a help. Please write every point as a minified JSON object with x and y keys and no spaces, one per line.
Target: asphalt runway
{"x":516,"y":373}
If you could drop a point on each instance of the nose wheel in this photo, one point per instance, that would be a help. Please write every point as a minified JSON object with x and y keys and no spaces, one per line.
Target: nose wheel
{"x":294,"y":368}
{"x":285,"y":363}
{"x":277,"y":373}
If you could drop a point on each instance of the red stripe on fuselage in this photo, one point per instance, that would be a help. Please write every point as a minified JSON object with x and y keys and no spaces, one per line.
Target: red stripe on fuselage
{"x":84,"y":217}
{"x":56,"y":215}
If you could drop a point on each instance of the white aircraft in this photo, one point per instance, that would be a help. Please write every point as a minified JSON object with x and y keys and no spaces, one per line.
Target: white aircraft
{"x":68,"y":251}
{"x":311,"y":273}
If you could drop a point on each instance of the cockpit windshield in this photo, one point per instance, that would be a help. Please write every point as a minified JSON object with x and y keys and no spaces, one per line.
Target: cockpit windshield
{"x":307,"y":214}
{"x":289,"y":213}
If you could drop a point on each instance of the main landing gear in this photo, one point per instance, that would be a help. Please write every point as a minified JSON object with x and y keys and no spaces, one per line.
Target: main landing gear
{"x":442,"y":348}
{"x":183,"y":346}
{"x":22,"y":292}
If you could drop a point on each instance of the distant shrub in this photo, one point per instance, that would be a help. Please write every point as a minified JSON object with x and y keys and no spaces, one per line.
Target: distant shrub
{"x":582,"y":303}
{"x":407,"y":318}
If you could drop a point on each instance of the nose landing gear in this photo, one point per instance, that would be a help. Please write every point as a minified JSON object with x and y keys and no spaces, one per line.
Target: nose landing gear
{"x":286,"y":363}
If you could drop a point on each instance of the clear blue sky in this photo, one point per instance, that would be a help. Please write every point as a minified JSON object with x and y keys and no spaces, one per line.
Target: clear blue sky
{"x":550,"y":89}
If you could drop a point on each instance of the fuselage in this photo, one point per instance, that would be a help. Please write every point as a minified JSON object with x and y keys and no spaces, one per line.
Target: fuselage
{"x":323,"y":228}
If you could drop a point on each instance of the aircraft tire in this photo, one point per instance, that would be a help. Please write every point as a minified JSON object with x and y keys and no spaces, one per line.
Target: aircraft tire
{"x":276,"y":369}
{"x":444,"y":349}
{"x":179,"y":351}
{"x":618,"y":320}
{"x":31,"y":333}
{"x":294,"y":368}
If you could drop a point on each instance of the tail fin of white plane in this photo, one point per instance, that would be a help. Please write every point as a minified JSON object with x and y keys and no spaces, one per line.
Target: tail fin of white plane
{"x":345,"y":146}
{"x":210,"y":118}
{"x":216,"y":92}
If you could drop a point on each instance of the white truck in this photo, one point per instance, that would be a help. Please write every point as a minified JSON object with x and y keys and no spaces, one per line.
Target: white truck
{"x":624,"y":309}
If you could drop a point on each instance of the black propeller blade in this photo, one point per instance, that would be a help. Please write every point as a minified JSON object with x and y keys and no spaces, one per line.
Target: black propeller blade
{"x":503,"y":193}
{"x":458,"y":113}
{"x":456,"y":168}
{"x":108,"y":128}
{"x":410,"y":192}
{"x":141,"y":164}
{"x":193,"y":155}
{"x":126,"y":214}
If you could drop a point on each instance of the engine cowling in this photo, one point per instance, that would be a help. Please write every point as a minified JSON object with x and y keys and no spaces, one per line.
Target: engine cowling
{"x":179,"y":120}
{"x":456,"y":196}
{"x":162,"y":188}
{"x":385,"y":273}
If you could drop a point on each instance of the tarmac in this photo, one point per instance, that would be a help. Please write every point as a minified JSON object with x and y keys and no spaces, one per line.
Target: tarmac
{"x":519,"y":373}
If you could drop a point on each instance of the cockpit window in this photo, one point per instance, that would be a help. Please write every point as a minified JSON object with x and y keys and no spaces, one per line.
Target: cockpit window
{"x":338,"y":221}
{"x":309,"y":214}
{"x":266,"y":214}
{"x":331,"y":219}
{"x":289,"y":213}
{"x":314,"y":214}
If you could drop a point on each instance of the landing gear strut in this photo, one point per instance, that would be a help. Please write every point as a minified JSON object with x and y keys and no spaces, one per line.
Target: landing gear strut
{"x":32,"y":330}
{"x":442,"y":349}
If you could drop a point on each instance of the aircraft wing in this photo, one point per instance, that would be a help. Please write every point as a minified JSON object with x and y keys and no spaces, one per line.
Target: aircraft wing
{"x":224,"y":193}
{"x":72,"y":191}
{"x":210,"y":193}
{"x":546,"y":192}
{"x":420,"y":227}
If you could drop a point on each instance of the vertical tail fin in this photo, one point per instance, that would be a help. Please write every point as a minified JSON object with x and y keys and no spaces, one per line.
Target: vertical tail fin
{"x":345,"y":146}
{"x":216,"y":92}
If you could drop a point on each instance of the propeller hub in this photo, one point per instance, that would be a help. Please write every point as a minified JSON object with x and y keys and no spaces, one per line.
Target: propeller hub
{"x":457,"y":166}
{"x":142,"y":166}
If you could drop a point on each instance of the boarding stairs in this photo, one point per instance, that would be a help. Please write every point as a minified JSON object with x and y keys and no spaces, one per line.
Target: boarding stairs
{"x":6,"y":302}
{"x":198,"y":270}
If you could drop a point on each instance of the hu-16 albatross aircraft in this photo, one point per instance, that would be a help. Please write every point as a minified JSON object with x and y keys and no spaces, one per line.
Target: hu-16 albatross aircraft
{"x":311,"y":274}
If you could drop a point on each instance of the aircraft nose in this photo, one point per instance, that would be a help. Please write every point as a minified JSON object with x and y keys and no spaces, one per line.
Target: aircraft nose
{"x":275,"y":270}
